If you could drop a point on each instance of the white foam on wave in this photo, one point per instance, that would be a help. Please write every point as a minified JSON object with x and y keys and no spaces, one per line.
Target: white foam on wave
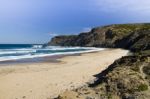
{"x":29,"y":52}
{"x":16,"y":52}
{"x":67,"y":48}
{"x":37,"y":46}
{"x":92,"y":49}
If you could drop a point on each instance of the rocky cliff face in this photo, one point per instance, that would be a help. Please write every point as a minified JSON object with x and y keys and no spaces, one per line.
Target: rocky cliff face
{"x":62,"y":40}
{"x":126,"y":78}
{"x":131,"y":36}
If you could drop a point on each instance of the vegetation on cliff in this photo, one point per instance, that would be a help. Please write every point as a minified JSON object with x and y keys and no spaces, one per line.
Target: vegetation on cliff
{"x":130,"y":36}
{"x":126,"y":78}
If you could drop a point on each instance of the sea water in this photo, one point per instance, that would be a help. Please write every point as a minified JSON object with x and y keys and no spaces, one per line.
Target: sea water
{"x":25,"y":51}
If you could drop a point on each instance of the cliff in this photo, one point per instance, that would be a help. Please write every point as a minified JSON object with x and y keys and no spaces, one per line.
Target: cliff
{"x":126,"y":78}
{"x":130,"y":36}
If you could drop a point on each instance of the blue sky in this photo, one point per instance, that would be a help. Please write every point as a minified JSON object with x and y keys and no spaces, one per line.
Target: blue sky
{"x":36,"y":21}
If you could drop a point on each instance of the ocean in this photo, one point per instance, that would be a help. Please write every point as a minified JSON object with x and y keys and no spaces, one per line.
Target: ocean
{"x":27,"y":51}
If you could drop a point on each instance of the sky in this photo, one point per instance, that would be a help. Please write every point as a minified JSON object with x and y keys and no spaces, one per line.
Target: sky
{"x":37,"y":21}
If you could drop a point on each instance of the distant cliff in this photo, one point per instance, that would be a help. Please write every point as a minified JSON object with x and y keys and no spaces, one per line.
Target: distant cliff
{"x":130,"y":36}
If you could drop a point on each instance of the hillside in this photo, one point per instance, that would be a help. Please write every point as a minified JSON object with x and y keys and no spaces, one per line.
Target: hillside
{"x":130,"y":36}
{"x":126,"y":78}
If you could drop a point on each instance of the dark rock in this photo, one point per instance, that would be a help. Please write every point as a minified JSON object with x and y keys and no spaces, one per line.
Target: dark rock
{"x":126,"y":78}
{"x":135,"y":37}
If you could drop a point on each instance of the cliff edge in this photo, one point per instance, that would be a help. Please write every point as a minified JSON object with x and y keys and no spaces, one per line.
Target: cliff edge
{"x":126,"y":78}
{"x":129,"y":36}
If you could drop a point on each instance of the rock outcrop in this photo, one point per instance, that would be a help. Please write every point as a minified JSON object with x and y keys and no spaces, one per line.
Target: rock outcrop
{"x":130,"y":36}
{"x":126,"y":78}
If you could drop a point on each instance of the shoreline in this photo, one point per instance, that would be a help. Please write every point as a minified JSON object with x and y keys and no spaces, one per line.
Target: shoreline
{"x":32,"y":56}
{"x":50,"y":58}
{"x":46,"y":80}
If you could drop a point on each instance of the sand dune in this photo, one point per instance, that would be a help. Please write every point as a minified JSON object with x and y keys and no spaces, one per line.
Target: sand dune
{"x":47,"y":80}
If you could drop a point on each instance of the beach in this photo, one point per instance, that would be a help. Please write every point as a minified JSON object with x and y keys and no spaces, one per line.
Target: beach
{"x":46,"y":80}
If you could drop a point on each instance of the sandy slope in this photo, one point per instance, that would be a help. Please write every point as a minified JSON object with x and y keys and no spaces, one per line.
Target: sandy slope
{"x":45,"y":80}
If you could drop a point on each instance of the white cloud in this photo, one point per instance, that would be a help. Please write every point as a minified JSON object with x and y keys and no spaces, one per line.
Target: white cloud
{"x":52,"y":34}
{"x":86,"y":29}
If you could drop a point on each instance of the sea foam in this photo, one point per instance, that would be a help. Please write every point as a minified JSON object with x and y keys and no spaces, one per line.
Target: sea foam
{"x":40,"y":51}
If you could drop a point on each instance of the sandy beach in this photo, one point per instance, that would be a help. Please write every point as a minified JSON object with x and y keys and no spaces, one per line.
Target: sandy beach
{"x":46,"y":80}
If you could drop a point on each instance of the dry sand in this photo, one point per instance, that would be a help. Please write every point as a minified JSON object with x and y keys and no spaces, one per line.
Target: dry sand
{"x":47,"y":80}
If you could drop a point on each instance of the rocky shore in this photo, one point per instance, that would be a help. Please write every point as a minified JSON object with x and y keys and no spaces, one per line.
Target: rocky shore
{"x":126,"y":78}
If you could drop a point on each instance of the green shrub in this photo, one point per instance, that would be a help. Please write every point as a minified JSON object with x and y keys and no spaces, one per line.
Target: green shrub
{"x":109,"y":96}
{"x":142,"y":87}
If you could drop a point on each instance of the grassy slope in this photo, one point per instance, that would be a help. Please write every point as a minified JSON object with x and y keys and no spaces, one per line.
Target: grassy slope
{"x":130,"y":36}
{"x":126,"y":78}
